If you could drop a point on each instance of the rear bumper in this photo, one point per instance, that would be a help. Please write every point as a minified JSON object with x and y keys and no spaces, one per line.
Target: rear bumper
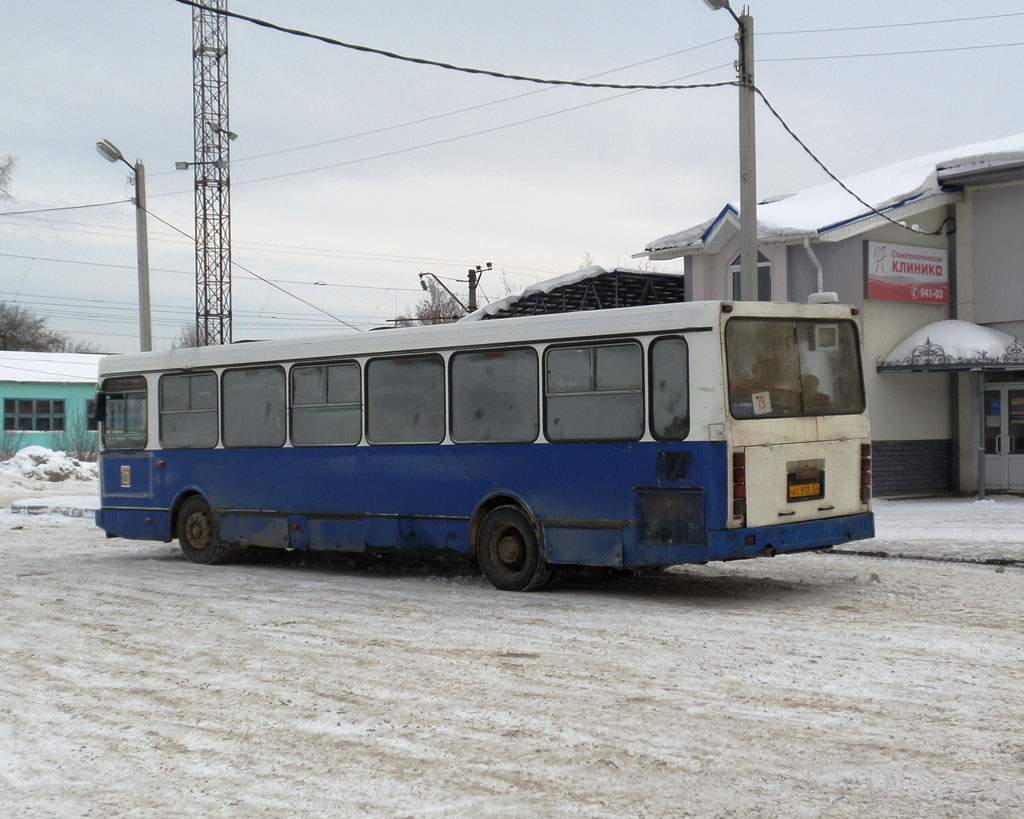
{"x":731,"y":544}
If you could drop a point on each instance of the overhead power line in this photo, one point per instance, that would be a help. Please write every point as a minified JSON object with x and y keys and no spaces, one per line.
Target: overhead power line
{"x":836,"y":179}
{"x":269,"y":282}
{"x":66,"y":207}
{"x":892,"y":25}
{"x":468,"y":108}
{"x":900,"y":53}
{"x":447,"y":66}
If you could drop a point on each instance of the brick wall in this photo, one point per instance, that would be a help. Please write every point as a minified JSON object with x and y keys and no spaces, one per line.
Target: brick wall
{"x":911,"y":467}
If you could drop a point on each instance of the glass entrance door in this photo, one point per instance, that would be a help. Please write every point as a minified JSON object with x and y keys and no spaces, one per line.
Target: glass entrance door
{"x":1004,"y":437}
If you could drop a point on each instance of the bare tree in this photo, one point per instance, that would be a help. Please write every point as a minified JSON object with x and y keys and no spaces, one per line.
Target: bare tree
{"x":187,"y":337}
{"x":10,"y":442}
{"x":438,"y":307}
{"x":76,"y":439}
{"x":21,"y":329}
{"x":6,"y":171}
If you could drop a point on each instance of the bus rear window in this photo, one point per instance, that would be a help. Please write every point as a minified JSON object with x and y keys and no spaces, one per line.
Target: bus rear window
{"x":783,"y":368}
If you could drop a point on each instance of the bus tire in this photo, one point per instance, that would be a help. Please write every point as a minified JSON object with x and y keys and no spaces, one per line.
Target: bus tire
{"x":199,"y":534}
{"x":508,"y":552}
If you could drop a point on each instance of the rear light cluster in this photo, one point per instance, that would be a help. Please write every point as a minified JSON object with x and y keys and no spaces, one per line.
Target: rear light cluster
{"x":865,"y":472}
{"x":739,"y":487}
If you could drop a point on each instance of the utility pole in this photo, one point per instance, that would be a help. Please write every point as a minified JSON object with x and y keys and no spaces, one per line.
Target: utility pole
{"x":748,"y":155}
{"x":142,"y":240}
{"x":474,"y":280}
{"x":748,"y":161}
{"x":110,"y":152}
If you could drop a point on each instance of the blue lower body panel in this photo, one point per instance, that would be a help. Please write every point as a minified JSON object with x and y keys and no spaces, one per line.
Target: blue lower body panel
{"x":612,"y":504}
{"x":731,"y":544}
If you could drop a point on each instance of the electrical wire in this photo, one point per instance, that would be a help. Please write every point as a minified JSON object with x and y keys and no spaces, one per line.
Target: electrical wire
{"x":891,"y":25}
{"x":900,"y":53}
{"x":836,"y":179}
{"x":67,"y":207}
{"x":448,"y":140}
{"x":447,"y":66}
{"x":434,"y":117}
{"x":258,"y":276}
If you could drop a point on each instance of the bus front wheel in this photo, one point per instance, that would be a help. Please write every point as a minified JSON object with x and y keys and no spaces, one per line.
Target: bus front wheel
{"x":198,"y":533}
{"x":508,"y":551}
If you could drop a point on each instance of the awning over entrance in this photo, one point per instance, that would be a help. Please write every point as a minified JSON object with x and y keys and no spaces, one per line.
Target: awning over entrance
{"x":954,"y":345}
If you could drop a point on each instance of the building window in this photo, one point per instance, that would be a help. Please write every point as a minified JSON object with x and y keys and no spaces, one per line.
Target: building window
{"x":595,"y":393}
{"x":33,"y":415}
{"x":764,"y":278}
{"x":91,"y":423}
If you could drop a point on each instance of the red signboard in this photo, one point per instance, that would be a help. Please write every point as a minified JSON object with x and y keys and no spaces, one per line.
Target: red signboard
{"x":907,"y":273}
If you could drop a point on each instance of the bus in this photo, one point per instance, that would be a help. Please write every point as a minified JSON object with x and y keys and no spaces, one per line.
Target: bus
{"x":630,"y":439}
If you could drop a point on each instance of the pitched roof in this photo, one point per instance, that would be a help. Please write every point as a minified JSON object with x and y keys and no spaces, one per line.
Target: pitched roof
{"x":828,"y":213}
{"x":56,"y":368}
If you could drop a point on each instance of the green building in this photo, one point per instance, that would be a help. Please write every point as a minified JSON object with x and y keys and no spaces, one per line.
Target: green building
{"x":48,"y":401}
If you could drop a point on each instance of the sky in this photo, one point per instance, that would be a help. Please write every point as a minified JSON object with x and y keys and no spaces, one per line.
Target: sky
{"x":383,"y":170}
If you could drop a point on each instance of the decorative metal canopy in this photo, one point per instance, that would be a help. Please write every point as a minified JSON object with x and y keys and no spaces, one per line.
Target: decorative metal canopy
{"x":954,"y":345}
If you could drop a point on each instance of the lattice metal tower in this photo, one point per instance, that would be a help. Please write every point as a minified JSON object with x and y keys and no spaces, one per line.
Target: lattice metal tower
{"x":212,"y":174}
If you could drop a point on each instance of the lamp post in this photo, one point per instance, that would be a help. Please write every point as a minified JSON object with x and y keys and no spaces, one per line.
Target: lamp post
{"x":110,"y":152}
{"x":748,"y":157}
{"x":423,"y":284}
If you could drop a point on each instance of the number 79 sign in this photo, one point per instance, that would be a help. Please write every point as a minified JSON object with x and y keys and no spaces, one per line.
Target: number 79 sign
{"x":762,"y":403}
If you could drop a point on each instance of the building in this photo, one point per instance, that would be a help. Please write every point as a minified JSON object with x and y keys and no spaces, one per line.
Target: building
{"x":48,"y":401}
{"x":933,"y":256}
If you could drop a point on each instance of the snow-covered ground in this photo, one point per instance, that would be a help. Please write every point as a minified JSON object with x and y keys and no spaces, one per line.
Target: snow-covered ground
{"x":133,"y":683}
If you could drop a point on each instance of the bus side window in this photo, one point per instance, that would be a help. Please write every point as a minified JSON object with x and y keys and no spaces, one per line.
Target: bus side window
{"x":494,"y":396}
{"x":594,"y":393}
{"x":670,"y":404}
{"x":326,"y":405}
{"x":124,"y":413}
{"x":254,"y":407}
{"x":405,"y":400}
{"x":188,"y":410}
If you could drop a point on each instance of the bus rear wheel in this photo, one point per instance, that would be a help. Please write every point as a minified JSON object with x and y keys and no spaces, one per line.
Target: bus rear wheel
{"x":198,"y":533}
{"x":508,"y":551}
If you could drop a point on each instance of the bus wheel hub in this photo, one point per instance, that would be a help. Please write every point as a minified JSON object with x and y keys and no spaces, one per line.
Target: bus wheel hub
{"x":509,"y":549}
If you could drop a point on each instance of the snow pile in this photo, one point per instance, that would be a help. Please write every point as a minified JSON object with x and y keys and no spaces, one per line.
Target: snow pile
{"x":42,"y":464}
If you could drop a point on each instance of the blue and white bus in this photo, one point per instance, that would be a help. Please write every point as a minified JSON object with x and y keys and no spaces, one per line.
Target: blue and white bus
{"x":633,"y":438}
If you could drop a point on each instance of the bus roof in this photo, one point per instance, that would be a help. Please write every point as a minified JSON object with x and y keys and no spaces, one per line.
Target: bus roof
{"x":625,"y":321}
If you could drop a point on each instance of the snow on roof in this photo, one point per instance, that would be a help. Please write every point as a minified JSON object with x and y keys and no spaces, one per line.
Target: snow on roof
{"x":953,"y":342}
{"x":56,"y":368}
{"x":548,"y":285}
{"x":824,"y":207}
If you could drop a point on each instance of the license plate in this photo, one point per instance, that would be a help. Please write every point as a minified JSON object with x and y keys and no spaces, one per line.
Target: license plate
{"x":804,"y":490}
{"x":804,"y":485}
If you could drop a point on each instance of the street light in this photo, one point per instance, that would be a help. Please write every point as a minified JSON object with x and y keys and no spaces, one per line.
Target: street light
{"x":110,"y":152}
{"x":748,"y":157}
{"x":423,"y":285}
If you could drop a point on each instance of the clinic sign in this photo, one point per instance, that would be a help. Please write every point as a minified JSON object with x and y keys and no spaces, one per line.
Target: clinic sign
{"x":907,"y":273}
